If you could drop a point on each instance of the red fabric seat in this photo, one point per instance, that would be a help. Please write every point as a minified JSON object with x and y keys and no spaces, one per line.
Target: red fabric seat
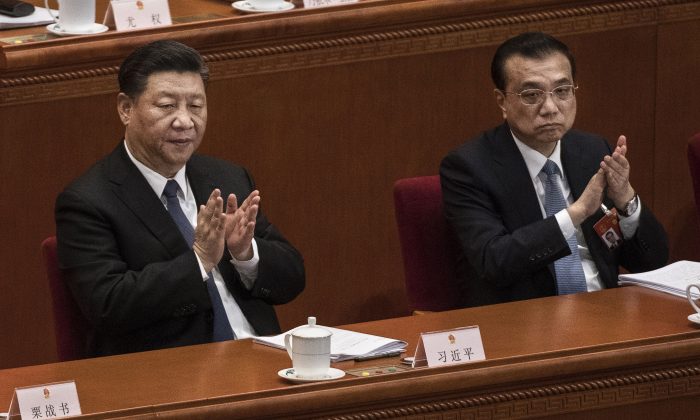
{"x":694,"y":164}
{"x":428,"y":246}
{"x":70,"y":325}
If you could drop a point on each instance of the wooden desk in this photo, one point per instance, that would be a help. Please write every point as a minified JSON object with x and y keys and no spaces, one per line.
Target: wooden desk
{"x":625,"y":351}
{"x":327,"y":108}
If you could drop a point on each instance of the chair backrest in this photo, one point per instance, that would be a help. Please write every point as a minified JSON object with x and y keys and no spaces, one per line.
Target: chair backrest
{"x":428,"y":246}
{"x":694,"y":164}
{"x":70,"y":326}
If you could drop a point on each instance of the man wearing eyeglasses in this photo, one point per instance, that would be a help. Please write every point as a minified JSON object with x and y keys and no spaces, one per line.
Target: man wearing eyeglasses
{"x":530,"y":200}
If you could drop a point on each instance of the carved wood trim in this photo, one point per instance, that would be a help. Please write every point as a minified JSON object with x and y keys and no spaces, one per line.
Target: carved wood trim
{"x":371,"y":46}
{"x":60,"y":86}
{"x":553,"y":399}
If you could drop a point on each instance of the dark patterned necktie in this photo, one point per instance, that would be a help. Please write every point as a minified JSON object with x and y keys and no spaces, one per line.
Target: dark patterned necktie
{"x":222,"y":328}
{"x":569,"y":271}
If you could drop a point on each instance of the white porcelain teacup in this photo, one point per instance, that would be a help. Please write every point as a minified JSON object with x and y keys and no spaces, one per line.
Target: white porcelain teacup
{"x":309,"y":347}
{"x":689,"y":295}
{"x":265,"y":4}
{"x":74,"y":15}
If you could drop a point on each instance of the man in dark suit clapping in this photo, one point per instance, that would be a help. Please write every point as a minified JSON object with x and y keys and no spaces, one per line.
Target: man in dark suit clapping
{"x":157,"y":247}
{"x":523,"y":198}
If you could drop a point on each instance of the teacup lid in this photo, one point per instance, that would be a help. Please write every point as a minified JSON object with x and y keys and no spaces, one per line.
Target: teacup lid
{"x":311,"y":330}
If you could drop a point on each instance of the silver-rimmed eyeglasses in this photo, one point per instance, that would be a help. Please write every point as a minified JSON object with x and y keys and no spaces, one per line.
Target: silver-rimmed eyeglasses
{"x":537,"y":96}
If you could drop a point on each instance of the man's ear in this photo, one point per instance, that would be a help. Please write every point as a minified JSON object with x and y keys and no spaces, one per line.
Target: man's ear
{"x":124,"y":107}
{"x":500,"y":101}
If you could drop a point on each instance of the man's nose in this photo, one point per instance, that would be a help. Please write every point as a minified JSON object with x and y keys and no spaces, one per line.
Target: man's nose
{"x":183,"y":119}
{"x":549,"y":105}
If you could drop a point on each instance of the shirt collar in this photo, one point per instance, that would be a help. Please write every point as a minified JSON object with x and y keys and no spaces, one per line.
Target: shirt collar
{"x":158,"y":181}
{"x":535,"y":160}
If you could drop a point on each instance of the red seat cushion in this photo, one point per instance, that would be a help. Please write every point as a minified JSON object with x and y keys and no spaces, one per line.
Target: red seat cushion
{"x":427,"y":244}
{"x":70,"y":325}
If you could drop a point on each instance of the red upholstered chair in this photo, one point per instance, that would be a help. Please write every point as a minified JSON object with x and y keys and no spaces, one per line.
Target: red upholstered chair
{"x":428,"y":246}
{"x":694,"y":164}
{"x":70,"y":325}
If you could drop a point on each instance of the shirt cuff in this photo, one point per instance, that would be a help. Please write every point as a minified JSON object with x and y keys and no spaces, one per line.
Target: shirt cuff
{"x":248,"y":269}
{"x":565,"y":223}
{"x":629,"y":224}
{"x":205,"y":276}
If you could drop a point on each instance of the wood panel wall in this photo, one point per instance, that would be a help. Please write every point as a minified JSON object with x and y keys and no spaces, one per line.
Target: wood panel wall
{"x":328,"y":109}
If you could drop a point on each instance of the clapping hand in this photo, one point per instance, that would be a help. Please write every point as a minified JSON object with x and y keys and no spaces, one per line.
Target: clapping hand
{"x":617,"y":173}
{"x":240,"y":225}
{"x":209,"y":233}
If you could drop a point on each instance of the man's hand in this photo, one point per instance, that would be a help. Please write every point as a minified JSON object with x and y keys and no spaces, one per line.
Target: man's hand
{"x":589,"y":201}
{"x":240,"y":225}
{"x":617,"y":174}
{"x":209,"y":233}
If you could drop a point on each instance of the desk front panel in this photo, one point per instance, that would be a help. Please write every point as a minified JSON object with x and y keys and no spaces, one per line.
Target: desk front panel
{"x":328,"y":108}
{"x":614,"y":351}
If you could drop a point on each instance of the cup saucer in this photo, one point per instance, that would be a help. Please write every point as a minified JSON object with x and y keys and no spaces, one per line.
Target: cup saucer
{"x":694,"y":318}
{"x":245,"y":6}
{"x":96,"y":28}
{"x":290,"y":375}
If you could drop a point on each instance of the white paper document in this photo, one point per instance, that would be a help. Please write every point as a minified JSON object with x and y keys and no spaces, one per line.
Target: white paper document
{"x":40,"y":17}
{"x":345,"y":344}
{"x":673,"y":279}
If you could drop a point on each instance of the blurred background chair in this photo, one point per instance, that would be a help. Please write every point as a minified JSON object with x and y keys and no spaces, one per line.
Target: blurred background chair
{"x":694,"y":164}
{"x":70,"y":326}
{"x":428,"y":246}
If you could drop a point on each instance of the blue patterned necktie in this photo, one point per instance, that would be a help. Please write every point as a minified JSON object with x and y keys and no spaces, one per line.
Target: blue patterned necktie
{"x":222,"y":328}
{"x":569,"y":271}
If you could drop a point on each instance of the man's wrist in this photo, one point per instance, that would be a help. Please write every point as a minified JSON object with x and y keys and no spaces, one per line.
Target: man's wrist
{"x":620,"y":200}
{"x":206,"y":265}
{"x":577,"y":214}
{"x":629,"y":207}
{"x":245,"y":256}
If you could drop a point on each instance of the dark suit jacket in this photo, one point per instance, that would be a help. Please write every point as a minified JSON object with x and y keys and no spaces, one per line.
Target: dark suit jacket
{"x":508,"y":248}
{"x":134,"y":276}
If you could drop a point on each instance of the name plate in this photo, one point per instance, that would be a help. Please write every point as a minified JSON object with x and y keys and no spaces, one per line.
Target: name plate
{"x":49,"y":401}
{"x":449,"y":347}
{"x":127,"y":15}
{"x":309,"y":4}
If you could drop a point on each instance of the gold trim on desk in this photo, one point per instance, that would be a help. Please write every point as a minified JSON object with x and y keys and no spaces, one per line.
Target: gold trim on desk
{"x":235,"y":59}
{"x":555,"y":356}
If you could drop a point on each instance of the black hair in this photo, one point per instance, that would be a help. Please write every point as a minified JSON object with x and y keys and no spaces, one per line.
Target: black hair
{"x":155,"y":57}
{"x":529,"y":45}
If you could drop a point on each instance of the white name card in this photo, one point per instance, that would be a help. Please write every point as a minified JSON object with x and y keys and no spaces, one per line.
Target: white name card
{"x":127,"y":15}
{"x":449,"y":347}
{"x":49,"y":401}
{"x":309,"y":4}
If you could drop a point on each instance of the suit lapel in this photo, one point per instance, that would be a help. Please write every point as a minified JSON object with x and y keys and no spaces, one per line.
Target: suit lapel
{"x":202,"y":186}
{"x":579,"y":166}
{"x":201,"y":183}
{"x":571,"y":158}
{"x":514,"y":176}
{"x":129,"y":185}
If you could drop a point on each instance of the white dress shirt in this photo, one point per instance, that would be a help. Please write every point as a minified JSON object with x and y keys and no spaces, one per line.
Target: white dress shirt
{"x":247,"y":269}
{"x":534,"y":161}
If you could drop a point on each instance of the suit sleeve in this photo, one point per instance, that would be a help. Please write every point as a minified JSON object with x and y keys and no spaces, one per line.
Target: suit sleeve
{"x":474,"y":205}
{"x":94,"y":243}
{"x":648,"y":248}
{"x":281,"y":274}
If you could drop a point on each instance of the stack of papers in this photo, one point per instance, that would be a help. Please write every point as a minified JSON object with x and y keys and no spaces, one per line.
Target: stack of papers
{"x":673,"y":278}
{"x":345,"y":344}
{"x":40,"y":17}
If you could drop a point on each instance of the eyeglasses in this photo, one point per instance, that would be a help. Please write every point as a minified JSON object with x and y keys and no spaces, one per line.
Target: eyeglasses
{"x":538,"y":96}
